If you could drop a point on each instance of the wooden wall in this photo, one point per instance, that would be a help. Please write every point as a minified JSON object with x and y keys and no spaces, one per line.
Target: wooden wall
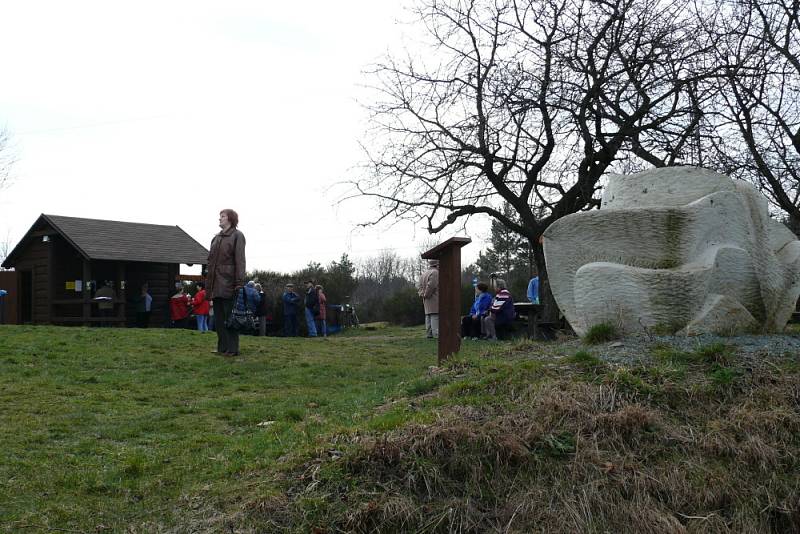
{"x":35,"y":260}
{"x":9,"y":280}
{"x":158,"y":277}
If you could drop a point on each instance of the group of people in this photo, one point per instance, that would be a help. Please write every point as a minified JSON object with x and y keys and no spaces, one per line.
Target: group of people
{"x":315,"y":305}
{"x":487,"y":313}
{"x":225,"y":282}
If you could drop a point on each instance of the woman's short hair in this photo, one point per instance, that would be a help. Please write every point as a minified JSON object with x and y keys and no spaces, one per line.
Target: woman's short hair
{"x":499,"y":283}
{"x":483,"y":286}
{"x":233,"y":217}
{"x":320,"y":288}
{"x":200,"y":285}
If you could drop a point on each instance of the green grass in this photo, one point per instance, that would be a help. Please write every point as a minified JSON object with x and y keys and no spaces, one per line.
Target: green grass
{"x":601,"y":333}
{"x":521,"y":441}
{"x":110,"y":427}
{"x":145,"y":431}
{"x":584,"y":359}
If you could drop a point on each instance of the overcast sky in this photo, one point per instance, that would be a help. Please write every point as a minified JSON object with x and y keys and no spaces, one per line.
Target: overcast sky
{"x":167,"y":112}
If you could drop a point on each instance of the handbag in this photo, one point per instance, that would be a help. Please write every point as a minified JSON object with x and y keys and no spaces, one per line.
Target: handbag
{"x":242,"y":319}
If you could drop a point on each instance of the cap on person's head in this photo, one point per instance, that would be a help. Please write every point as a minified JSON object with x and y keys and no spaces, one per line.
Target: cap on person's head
{"x":433,"y":263}
{"x":290,"y":284}
{"x":310,"y":282}
{"x":251,"y":284}
{"x":499,"y":283}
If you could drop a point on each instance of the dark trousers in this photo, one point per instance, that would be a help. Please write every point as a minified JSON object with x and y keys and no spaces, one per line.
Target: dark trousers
{"x":290,"y":325}
{"x":227,"y":339}
{"x":470,"y":327}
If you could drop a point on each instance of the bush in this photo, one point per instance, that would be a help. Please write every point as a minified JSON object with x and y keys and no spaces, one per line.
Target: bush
{"x":600,"y":333}
{"x":404,"y":307}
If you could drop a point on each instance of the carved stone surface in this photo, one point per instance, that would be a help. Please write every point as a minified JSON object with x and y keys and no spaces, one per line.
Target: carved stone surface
{"x":678,"y":249}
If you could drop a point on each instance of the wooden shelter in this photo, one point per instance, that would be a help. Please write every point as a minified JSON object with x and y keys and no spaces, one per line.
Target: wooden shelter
{"x":61,"y":262}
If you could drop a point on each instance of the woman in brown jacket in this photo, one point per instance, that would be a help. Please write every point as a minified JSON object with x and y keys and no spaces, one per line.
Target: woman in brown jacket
{"x":226,"y":271}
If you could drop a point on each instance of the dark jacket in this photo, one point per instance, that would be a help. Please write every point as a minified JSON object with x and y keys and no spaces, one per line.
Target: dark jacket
{"x":226,"y":264}
{"x":261,"y":311}
{"x":312,"y":300}
{"x":252,"y":301}
{"x":503,"y":307}
{"x":290,"y":300}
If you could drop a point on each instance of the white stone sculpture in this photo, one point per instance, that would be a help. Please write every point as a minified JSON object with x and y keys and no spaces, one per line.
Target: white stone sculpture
{"x":677,"y":249}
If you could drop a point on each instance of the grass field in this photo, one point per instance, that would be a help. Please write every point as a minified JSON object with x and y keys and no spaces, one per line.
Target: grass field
{"x":105,"y":428}
{"x":146,"y":431}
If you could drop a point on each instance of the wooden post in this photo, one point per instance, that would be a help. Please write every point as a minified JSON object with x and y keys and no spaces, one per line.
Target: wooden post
{"x":449,"y":255}
{"x":120,"y":302}
{"x":51,"y":279}
{"x":87,"y":295}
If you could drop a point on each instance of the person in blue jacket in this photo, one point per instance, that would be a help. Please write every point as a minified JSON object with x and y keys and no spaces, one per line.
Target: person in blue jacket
{"x":290,"y":300}
{"x":471,"y":324}
{"x":252,"y":301}
{"x":533,"y":290}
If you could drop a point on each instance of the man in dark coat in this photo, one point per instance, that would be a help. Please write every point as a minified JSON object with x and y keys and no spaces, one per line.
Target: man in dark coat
{"x":226,"y":272}
{"x":290,"y":300}
{"x":312,"y":308}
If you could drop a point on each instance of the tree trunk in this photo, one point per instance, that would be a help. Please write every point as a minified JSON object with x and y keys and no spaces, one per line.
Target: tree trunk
{"x":550,"y":312}
{"x":794,"y":222}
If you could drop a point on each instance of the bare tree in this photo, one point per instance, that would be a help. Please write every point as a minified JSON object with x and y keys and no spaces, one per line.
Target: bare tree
{"x":530,"y":103}
{"x":7,"y":158}
{"x":5,"y":250}
{"x":758,"y":126}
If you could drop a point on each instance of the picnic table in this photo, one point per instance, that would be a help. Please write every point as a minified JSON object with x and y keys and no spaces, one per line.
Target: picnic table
{"x":535,"y":327}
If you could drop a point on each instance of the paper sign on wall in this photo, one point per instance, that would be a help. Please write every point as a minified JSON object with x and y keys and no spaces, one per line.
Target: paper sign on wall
{"x":78,"y":285}
{"x":70,"y":285}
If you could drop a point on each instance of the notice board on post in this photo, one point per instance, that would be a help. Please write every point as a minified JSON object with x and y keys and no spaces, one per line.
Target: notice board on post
{"x":449,"y":255}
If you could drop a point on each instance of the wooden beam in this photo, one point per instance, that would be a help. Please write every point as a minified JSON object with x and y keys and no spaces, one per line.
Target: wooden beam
{"x":87,"y":294}
{"x":189,"y":278}
{"x":119,"y":302}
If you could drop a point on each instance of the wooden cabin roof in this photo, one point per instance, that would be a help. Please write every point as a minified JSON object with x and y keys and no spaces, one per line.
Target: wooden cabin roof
{"x":97,"y":239}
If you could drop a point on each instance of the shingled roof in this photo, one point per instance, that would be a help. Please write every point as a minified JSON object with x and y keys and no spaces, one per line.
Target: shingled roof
{"x":98,"y":239}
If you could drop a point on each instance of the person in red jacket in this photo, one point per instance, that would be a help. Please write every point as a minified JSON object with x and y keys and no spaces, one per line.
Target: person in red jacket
{"x":201,"y":307}
{"x":179,"y":308}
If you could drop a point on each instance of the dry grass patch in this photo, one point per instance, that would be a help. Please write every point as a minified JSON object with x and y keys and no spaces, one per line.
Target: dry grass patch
{"x":606,"y":452}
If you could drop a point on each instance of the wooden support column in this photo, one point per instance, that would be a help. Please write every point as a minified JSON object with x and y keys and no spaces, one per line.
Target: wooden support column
{"x":121,"y":301}
{"x":449,"y":255}
{"x":87,"y":294}
{"x":51,"y":279}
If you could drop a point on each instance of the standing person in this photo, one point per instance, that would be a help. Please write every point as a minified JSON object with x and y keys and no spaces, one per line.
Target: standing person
{"x":471,"y":325}
{"x":312,"y":308}
{"x":226,"y":270}
{"x":501,"y":311}
{"x":533,"y":290}
{"x":179,"y":308}
{"x":261,"y":311}
{"x":323,"y":312}
{"x":144,"y":305}
{"x":248,"y":299}
{"x":290,"y":300}
{"x":429,"y":291}
{"x":201,"y":307}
